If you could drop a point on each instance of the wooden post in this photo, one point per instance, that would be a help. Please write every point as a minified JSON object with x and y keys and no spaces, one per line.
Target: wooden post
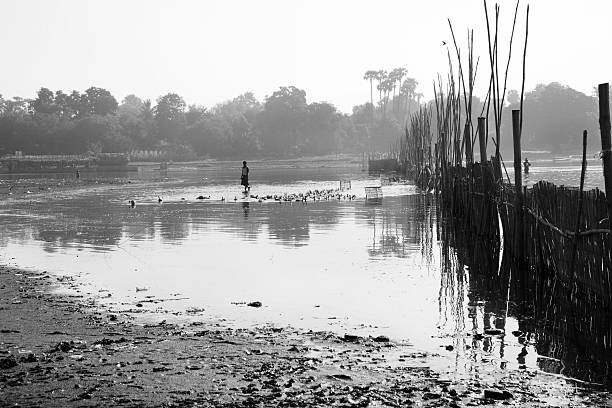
{"x":482,"y":137}
{"x":577,"y":229}
{"x":443,"y":150}
{"x":518,"y":184}
{"x":516,"y":138}
{"x":604,"y":126}
{"x":468,"y":144}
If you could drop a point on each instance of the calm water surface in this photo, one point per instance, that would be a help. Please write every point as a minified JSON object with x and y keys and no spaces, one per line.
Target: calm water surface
{"x":347,"y":266}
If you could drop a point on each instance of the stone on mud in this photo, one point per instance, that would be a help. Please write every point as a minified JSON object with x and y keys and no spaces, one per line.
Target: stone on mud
{"x":497,"y":394}
{"x":7,"y":362}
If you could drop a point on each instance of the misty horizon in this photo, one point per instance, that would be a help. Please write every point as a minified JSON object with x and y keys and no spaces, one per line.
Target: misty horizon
{"x":211,"y":52}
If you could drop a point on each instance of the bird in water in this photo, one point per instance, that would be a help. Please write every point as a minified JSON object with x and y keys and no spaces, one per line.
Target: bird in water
{"x":222,"y":198}
{"x":132,"y":203}
{"x":159,"y":199}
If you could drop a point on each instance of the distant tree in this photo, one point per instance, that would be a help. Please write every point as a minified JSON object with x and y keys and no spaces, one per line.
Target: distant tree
{"x":381,"y":76}
{"x":77,"y":104}
{"x":147,"y":111}
{"x":371,"y":76}
{"x":99,"y":101}
{"x":131,"y":102}
{"x":17,"y":106}
{"x":246,"y":102}
{"x":209,"y":136}
{"x":554,"y":117}
{"x":400,"y":73}
{"x":44,"y":102}
{"x":281,"y":118}
{"x":132,"y":125}
{"x":170,"y":116}
{"x":395,"y":76}
{"x":513,"y":97}
{"x":386,"y":87}
{"x":319,"y":129}
{"x":194,"y":114}
{"x":147,"y":116}
{"x":97,"y":133}
{"x":408,"y":90}
{"x":62,"y":105}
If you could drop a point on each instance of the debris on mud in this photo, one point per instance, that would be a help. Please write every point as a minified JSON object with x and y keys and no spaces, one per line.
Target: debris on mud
{"x":98,"y":358}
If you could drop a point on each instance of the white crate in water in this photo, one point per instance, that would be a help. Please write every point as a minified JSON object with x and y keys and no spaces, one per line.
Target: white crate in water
{"x":373,"y":192}
{"x":345,"y":185}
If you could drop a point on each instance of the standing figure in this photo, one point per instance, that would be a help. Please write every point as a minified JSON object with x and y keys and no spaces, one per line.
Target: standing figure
{"x":526,"y":166}
{"x":244,"y":177}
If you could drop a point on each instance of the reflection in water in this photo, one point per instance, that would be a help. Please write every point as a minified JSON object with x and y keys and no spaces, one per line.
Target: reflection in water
{"x":564,"y":337}
{"x":410,"y":276}
{"x":400,"y":231}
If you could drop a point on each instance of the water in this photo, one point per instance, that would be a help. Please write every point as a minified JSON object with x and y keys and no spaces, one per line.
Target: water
{"x":346,"y":266}
{"x":562,"y":171}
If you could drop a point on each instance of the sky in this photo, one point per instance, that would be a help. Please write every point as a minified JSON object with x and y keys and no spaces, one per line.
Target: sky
{"x":210,"y":51}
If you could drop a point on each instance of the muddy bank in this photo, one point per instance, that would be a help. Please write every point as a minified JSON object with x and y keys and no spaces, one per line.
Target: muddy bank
{"x":63,"y":351}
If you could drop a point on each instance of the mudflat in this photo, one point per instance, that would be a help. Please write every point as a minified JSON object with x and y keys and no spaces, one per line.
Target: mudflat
{"x":64,"y":350}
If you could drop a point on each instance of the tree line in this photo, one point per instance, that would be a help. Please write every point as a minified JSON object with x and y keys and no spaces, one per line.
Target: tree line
{"x":284,"y":124}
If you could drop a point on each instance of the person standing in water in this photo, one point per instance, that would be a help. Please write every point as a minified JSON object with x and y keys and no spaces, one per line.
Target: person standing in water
{"x":526,"y":166}
{"x":244,"y":177}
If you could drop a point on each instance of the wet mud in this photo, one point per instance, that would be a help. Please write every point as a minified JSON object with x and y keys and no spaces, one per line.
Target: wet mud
{"x":64,"y":350}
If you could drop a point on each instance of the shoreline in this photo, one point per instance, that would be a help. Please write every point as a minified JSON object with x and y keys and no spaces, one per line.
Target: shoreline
{"x":64,"y":350}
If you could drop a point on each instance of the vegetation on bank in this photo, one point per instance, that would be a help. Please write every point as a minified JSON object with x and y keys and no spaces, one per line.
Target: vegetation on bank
{"x":284,"y":124}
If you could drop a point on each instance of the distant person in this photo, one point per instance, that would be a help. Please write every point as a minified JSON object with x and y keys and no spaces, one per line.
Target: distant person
{"x":526,"y":166}
{"x":78,"y":175}
{"x":244,"y":177}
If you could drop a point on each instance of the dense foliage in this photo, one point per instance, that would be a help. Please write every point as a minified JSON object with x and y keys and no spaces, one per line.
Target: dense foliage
{"x":285,"y":124}
{"x":554,"y":117}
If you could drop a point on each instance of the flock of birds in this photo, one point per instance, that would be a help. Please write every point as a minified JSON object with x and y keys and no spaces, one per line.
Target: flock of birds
{"x":310,"y":195}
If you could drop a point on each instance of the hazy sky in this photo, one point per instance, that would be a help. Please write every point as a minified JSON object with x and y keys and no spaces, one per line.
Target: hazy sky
{"x":211,"y":51}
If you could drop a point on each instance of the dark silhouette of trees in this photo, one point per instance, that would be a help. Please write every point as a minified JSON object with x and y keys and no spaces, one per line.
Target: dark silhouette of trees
{"x":284,"y":124}
{"x":371,"y":76}
{"x":169,"y":115}
{"x":280,"y":120}
{"x":98,"y":101}
{"x":554,"y":117}
{"x":44,"y":102}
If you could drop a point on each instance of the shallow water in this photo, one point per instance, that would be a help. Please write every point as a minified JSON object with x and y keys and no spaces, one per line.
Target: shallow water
{"x":347,"y":266}
{"x":562,"y":171}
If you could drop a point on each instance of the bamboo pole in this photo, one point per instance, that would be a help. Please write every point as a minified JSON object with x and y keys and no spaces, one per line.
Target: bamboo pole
{"x":516,"y":138}
{"x":518,"y":185}
{"x":604,"y":125}
{"x":468,"y":144}
{"x":582,"y":174}
{"x":482,"y":136}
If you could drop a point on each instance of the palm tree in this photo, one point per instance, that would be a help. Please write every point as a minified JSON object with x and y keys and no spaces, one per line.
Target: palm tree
{"x":400,"y":73}
{"x":381,"y":76}
{"x":370,"y":76}
{"x":386,"y":86}
{"x":393,"y":80}
{"x":408,"y":88}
